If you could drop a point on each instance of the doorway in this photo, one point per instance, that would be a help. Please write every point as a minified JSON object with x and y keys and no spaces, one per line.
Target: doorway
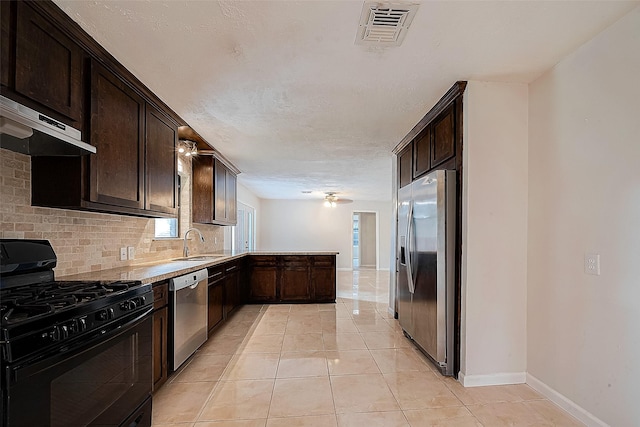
{"x":244,"y":231}
{"x":365,"y":240}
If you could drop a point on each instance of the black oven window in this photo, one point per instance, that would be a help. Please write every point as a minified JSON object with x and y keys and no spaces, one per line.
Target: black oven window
{"x":86,"y":390}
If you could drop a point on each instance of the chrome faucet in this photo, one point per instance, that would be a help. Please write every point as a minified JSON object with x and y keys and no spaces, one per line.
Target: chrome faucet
{"x":185,"y":249}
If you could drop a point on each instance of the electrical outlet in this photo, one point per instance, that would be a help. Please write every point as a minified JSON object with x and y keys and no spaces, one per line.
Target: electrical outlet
{"x":123,"y":254}
{"x":131,"y":252}
{"x":592,"y":264}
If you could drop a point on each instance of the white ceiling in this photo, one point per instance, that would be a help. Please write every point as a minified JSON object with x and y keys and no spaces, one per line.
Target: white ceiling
{"x":282,"y":90}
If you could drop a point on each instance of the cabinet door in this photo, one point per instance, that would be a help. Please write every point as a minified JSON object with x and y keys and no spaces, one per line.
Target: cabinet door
{"x":294,"y":279}
{"x":117,"y":132}
{"x":202,"y":190}
{"x":231,"y":196}
{"x":323,"y":278}
{"x":405,"y":165}
{"x":220,"y":192}
{"x":231,"y":293}
{"x":160,"y":336}
{"x":160,"y":162}
{"x":231,"y":287}
{"x":263,"y":278}
{"x":5,"y":45}
{"x":422,"y":152}
{"x":443,"y":146}
{"x":48,"y":67}
{"x":216,"y":302}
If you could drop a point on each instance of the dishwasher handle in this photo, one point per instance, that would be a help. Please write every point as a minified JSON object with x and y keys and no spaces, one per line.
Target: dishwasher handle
{"x":190,"y":280}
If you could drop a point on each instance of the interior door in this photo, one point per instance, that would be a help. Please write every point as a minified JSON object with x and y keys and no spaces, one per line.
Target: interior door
{"x":244,"y":230}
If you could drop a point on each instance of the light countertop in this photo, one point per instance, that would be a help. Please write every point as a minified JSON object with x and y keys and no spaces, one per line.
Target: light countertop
{"x":166,"y":269}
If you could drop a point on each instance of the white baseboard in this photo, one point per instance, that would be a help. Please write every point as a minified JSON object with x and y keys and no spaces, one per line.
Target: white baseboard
{"x":568,"y":405}
{"x":492,"y":379}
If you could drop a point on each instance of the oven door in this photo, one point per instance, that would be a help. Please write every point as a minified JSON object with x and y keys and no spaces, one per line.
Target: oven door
{"x":104,"y":382}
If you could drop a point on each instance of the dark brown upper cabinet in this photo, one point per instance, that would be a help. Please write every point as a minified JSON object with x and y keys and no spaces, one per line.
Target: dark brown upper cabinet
{"x":134,"y":171}
{"x":48,"y":67}
{"x":405,"y":162}
{"x":435,"y":142}
{"x":443,"y":146}
{"x":5,"y":44}
{"x":116,"y":129}
{"x":160,"y":162}
{"x":422,"y":152}
{"x":214,"y":192}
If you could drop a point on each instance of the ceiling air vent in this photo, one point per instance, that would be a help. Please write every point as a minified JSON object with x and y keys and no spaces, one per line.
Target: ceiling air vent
{"x":385,"y":24}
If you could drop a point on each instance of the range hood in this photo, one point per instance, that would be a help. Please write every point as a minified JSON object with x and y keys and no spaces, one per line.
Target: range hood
{"x":29,"y":132}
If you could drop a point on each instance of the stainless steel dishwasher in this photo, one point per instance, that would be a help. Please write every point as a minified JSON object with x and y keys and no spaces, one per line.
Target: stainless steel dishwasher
{"x":189,"y":293}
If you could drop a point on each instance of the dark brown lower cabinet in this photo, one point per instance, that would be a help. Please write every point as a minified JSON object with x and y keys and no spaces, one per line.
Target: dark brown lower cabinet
{"x":160,"y":333}
{"x":295,"y":284}
{"x":263,"y":276}
{"x":226,"y":292}
{"x":292,"y":278}
{"x":323,"y":278}
{"x":216,"y":301}
{"x":231,"y":288}
{"x":215,"y":312}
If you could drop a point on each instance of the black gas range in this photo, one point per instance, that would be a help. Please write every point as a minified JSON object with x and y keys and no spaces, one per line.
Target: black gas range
{"x":74,"y":353}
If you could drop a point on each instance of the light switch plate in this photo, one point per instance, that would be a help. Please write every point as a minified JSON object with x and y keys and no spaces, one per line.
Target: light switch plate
{"x":592,"y":264}
{"x":123,"y":254}
{"x":131,"y":252}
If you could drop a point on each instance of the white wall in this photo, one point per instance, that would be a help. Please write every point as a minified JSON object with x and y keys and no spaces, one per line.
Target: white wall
{"x":299,"y":225}
{"x":584,"y":196}
{"x":494,"y":234}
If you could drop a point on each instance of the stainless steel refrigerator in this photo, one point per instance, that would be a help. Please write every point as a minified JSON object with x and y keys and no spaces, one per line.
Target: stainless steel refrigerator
{"x":426,"y":259}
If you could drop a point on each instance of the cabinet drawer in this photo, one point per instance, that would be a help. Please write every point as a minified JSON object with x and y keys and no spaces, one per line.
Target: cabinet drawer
{"x":160,"y":294}
{"x":295,"y":260}
{"x":263,"y":260}
{"x":231,"y":267}
{"x":215,"y":274}
{"x":323,"y":260}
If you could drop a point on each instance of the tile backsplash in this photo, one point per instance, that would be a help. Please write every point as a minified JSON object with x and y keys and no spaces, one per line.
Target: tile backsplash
{"x":87,"y":241}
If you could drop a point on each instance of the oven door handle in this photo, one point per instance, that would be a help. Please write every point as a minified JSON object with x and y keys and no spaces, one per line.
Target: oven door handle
{"x":95,"y":338}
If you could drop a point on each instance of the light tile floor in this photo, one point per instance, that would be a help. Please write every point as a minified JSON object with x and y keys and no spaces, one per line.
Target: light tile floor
{"x":328,"y":365}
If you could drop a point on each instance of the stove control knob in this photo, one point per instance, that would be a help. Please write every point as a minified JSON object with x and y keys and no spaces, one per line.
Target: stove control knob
{"x":64,"y":332}
{"x":110,"y":313}
{"x":128,"y":305}
{"x":82,"y":324}
{"x":102,"y":315}
{"x":54,"y":334}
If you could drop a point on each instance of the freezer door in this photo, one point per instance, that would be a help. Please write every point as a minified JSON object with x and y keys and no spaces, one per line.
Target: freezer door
{"x":433,"y":219}
{"x":404,"y":286}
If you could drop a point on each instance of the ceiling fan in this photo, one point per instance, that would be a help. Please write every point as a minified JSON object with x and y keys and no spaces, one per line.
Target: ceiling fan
{"x":331,"y":200}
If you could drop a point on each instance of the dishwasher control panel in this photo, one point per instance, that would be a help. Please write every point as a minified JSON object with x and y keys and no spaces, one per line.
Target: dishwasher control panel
{"x":187,"y":280}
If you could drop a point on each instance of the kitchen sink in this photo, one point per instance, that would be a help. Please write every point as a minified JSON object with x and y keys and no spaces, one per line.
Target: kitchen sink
{"x":199,"y":258}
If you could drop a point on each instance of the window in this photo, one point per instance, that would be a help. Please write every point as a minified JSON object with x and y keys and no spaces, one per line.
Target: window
{"x":166,"y":228}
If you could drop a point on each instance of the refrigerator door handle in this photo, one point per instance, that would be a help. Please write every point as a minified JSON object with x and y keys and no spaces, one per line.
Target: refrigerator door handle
{"x":411,"y":284}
